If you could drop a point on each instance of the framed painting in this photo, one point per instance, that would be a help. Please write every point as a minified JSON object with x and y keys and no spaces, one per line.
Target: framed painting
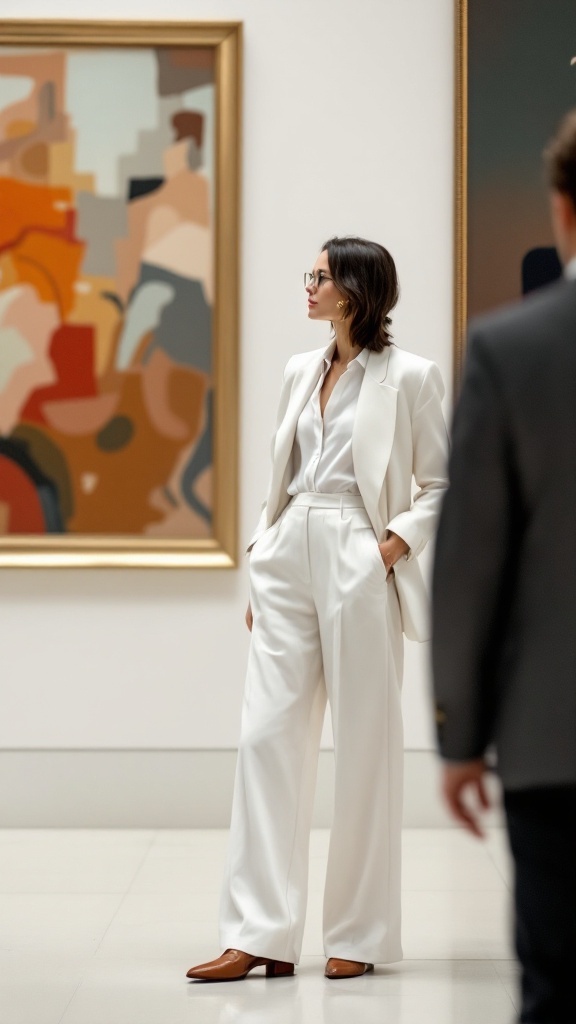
{"x":515,"y":79}
{"x":119,"y":222}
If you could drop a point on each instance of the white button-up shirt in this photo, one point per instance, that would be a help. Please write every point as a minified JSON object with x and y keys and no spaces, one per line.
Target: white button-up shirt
{"x":323,"y":446}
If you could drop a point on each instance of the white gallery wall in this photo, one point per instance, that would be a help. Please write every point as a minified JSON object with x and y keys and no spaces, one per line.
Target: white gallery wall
{"x":347,"y":128}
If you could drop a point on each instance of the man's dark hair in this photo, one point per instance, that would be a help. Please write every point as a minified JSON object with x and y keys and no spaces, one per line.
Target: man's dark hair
{"x":365,"y":273}
{"x":560,"y":158}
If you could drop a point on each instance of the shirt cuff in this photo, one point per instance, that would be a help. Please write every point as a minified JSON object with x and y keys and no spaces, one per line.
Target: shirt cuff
{"x":406,"y":528}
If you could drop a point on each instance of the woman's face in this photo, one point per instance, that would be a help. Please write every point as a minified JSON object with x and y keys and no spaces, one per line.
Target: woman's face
{"x":323,"y":295}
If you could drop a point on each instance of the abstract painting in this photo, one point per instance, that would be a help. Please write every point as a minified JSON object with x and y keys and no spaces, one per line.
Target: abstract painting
{"x":516,"y":78}
{"x":110,"y":278}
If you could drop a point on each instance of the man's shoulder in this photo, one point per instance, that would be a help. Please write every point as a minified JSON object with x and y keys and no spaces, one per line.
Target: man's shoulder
{"x":532,"y":318}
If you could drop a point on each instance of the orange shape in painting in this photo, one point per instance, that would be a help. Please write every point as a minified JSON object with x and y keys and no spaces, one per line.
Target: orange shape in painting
{"x":37,"y":226}
{"x":18,"y":493}
{"x":23,"y":206}
{"x":59,"y":261}
{"x":19,"y":129}
{"x":113,"y":488}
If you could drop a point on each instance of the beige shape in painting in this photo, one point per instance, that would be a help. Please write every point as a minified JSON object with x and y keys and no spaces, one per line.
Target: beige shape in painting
{"x":179,"y":520}
{"x":186,"y":194}
{"x":42,"y":110}
{"x":40,"y":67}
{"x":175,"y":158}
{"x":161,"y":221}
{"x":61,"y":169}
{"x":79,"y":417}
{"x":36,"y":321}
{"x":88,"y":482}
{"x":186,"y":251}
{"x":15,"y":349}
{"x":156,"y":375}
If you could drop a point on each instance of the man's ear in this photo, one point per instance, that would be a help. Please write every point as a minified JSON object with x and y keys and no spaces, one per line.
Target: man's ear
{"x":563,"y":210}
{"x":563,"y":223}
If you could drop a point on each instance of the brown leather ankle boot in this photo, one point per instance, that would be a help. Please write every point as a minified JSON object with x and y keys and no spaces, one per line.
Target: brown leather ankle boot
{"x":336,"y":968}
{"x":234,"y":965}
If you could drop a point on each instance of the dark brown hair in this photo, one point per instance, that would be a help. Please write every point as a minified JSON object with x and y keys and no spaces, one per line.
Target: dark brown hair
{"x":366,"y":275}
{"x":560,"y":158}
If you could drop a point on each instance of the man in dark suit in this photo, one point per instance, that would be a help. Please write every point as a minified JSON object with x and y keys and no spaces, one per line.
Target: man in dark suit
{"x":504,"y":639}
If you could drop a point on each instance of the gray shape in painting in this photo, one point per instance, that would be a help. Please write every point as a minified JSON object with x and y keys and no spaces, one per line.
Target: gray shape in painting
{"x":184,"y":330}
{"x":142,"y":316}
{"x":200,"y":459}
{"x":101,"y":220}
{"x":117,"y":433}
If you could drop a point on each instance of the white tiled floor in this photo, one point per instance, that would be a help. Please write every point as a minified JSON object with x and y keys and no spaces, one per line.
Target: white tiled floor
{"x":99,"y":927}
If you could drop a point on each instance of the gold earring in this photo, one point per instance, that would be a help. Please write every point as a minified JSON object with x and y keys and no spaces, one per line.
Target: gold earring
{"x":340,"y":304}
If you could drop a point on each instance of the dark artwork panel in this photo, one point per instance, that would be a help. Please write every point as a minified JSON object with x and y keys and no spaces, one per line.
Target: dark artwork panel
{"x":520,"y":83}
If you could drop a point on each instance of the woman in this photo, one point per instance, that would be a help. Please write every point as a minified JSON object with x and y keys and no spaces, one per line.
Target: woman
{"x":334,"y":581}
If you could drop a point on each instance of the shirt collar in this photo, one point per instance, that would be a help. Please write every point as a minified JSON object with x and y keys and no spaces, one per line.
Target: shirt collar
{"x":570,"y":269}
{"x":361,"y":359}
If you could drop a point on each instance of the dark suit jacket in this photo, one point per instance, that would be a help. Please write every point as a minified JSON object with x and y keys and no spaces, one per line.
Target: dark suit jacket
{"x":504,"y":591}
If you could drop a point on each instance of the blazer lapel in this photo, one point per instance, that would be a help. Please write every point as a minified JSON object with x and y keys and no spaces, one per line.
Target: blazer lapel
{"x":284,"y":442}
{"x":373,"y":434}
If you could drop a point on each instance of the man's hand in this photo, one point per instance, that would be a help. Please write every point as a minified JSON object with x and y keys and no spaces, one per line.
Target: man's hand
{"x":462,"y":779}
{"x":392,"y":549}
{"x":249,"y":618}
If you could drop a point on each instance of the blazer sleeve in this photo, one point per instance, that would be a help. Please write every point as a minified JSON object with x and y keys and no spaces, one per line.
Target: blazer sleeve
{"x":285,"y":393}
{"x":472,"y":563}
{"x":429,"y":465}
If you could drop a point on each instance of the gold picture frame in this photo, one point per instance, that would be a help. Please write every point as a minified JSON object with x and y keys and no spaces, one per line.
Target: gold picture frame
{"x":219,"y":550}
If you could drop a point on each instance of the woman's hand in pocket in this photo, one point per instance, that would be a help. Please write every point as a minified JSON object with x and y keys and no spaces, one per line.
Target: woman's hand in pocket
{"x":391,"y":550}
{"x":249,"y":617}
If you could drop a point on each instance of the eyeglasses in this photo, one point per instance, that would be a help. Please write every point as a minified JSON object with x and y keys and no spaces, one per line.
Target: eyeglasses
{"x":316,"y":279}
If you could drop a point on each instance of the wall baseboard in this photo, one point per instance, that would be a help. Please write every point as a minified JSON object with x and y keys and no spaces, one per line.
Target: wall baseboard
{"x":169,"y":789}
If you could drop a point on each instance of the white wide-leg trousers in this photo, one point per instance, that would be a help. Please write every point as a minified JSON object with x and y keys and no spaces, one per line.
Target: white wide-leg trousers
{"x":326,"y":624}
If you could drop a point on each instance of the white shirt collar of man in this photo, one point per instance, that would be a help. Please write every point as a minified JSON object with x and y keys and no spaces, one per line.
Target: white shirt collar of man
{"x":570,"y":269}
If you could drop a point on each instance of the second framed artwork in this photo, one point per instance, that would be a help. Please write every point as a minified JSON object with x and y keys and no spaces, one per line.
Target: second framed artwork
{"x":119,"y":224}
{"x":515,"y":79}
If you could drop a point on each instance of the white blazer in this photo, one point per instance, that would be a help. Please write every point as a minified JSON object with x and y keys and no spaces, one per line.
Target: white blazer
{"x":399,"y":434}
